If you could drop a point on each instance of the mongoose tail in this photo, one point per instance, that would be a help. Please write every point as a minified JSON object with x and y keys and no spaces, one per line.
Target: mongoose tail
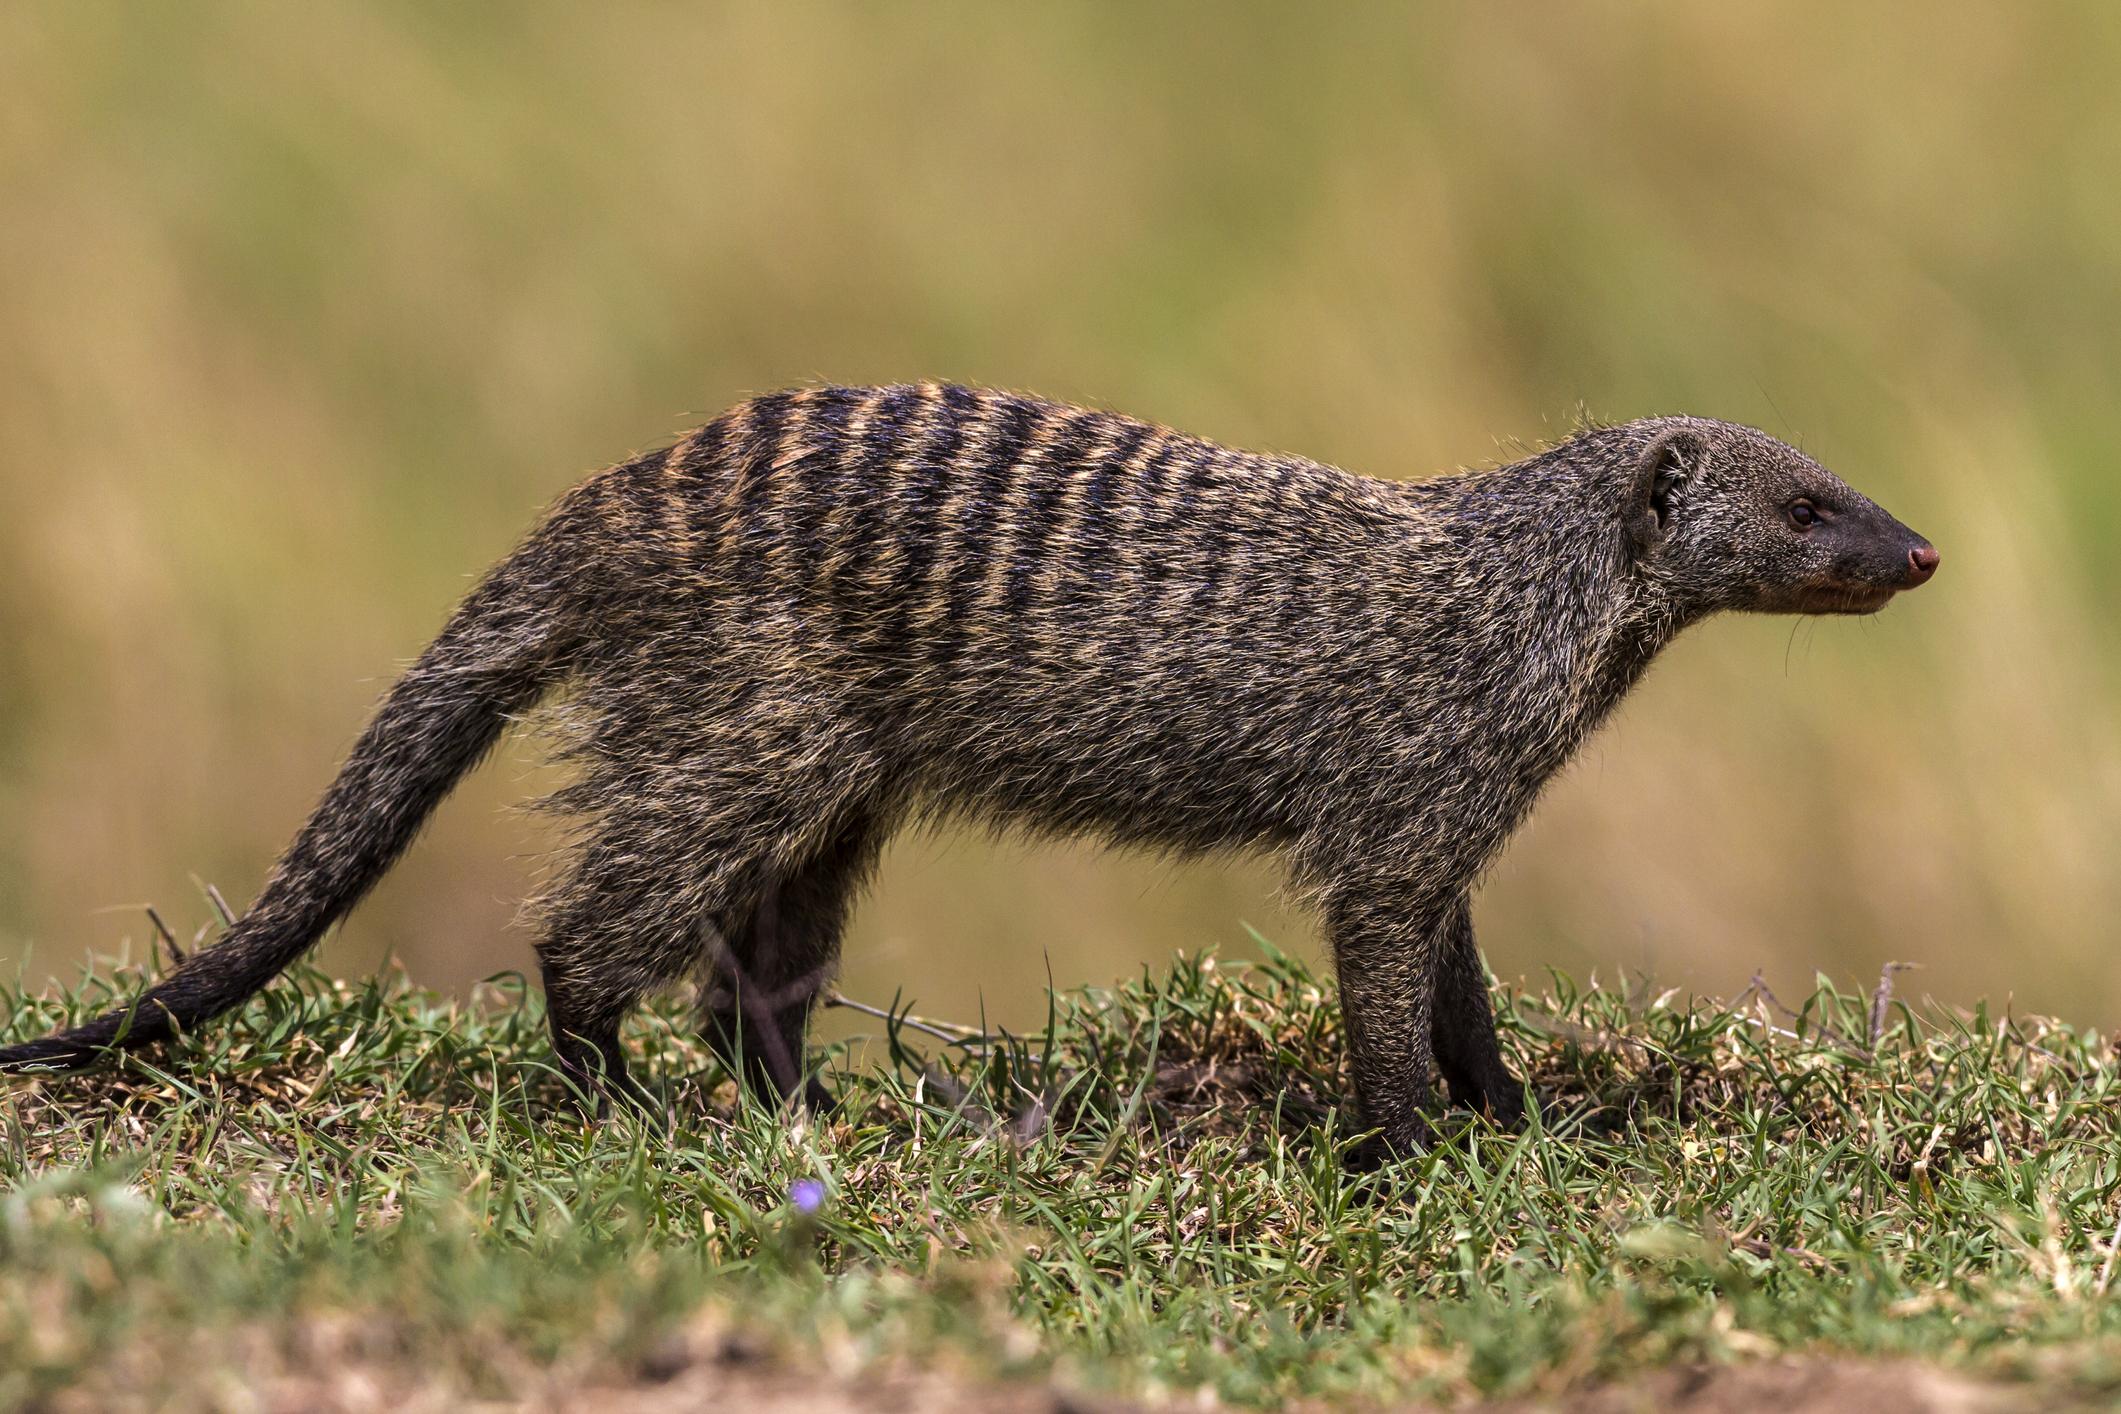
{"x":497,"y":655}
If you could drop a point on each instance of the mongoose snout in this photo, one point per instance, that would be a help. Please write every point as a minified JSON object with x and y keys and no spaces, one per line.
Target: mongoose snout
{"x":1860,"y":591}
{"x":834,"y":612}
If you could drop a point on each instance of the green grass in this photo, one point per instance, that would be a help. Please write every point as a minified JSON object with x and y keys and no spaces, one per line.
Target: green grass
{"x":1148,"y":1198}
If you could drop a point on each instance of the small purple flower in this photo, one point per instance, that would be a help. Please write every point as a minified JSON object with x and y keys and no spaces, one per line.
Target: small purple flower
{"x":807,"y":1194}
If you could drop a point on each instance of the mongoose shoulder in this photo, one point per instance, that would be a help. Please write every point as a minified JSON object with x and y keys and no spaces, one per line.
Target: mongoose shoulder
{"x":834,"y":610}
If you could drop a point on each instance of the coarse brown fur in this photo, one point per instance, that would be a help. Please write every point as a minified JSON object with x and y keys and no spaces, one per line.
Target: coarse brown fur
{"x":833,"y":611}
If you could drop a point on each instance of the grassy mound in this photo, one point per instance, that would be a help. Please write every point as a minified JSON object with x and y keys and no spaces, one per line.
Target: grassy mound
{"x":364,"y":1183}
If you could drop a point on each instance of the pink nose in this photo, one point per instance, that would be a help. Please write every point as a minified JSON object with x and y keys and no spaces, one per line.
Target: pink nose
{"x":1922,"y":562}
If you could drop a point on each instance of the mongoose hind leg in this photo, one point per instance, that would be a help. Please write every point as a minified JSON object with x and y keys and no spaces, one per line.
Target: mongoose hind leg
{"x":585,"y":1039}
{"x":769,"y":969}
{"x":1463,"y":1022}
{"x":625,"y":921}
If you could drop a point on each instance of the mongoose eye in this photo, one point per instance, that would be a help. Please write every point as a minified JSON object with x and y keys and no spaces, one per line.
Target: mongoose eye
{"x":1803,"y":514}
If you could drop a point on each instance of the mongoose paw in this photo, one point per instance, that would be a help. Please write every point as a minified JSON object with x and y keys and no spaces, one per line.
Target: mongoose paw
{"x":1501,"y":1097}
{"x":593,"y":1095}
{"x":1378,"y":1150}
{"x":1508,"y":1106}
{"x":820,"y":1102}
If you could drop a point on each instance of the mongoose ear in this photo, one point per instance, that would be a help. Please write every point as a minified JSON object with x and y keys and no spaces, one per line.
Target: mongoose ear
{"x":1662,"y":476}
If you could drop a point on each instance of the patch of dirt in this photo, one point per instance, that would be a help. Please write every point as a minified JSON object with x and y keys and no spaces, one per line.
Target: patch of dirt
{"x":702,"y":1387}
{"x":790,"y":1392}
{"x":1788,"y":1386}
{"x":729,"y":1371}
{"x":1784,"y":1387}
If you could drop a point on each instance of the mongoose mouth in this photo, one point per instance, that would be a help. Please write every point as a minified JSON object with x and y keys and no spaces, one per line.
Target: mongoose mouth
{"x":1848,"y":599}
{"x":1866,"y":595}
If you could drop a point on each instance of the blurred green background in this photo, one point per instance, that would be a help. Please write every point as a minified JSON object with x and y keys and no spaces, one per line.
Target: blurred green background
{"x":305,"y":311}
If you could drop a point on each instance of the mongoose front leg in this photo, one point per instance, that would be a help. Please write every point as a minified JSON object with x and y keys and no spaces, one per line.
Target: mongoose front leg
{"x":1464,"y":1026}
{"x":1383,"y":938}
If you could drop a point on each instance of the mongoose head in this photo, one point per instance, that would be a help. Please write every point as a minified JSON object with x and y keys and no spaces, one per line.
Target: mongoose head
{"x":1724,"y":517}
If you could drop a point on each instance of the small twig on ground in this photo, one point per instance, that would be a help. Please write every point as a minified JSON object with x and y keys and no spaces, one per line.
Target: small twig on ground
{"x":1820,"y":1024}
{"x":1771,"y":1028}
{"x":2009,"y":1027}
{"x":1882,"y":998}
{"x":1758,"y":987}
{"x":950,"y":1031}
{"x":228,"y":915}
{"x":169,"y":939}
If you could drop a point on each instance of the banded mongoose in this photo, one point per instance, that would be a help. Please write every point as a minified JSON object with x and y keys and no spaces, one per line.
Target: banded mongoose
{"x":834,"y":611}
